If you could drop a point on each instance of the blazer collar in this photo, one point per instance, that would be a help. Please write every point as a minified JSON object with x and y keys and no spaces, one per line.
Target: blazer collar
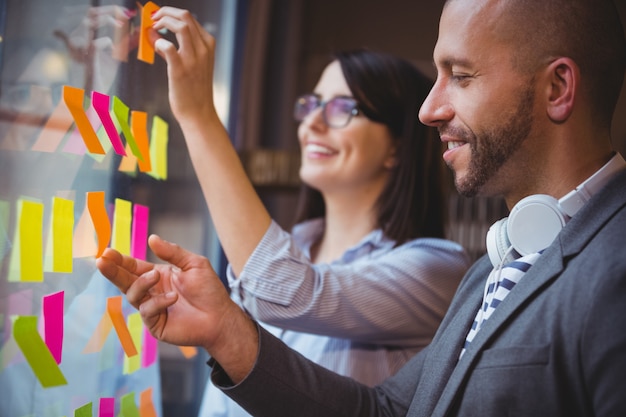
{"x":571,"y":241}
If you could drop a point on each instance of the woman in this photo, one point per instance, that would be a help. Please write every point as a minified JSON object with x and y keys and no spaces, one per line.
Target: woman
{"x":365,"y":276}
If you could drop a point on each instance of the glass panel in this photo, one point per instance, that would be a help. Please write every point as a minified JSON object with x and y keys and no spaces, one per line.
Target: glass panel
{"x":90,"y":157}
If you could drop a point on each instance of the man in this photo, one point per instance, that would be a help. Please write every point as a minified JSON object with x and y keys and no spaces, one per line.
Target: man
{"x":524,"y":99}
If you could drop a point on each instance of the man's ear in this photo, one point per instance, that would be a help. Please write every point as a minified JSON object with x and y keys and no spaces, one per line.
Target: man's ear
{"x":564,"y":81}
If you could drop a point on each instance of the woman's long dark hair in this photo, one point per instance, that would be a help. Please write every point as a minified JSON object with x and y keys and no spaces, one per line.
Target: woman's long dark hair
{"x":391,"y":90}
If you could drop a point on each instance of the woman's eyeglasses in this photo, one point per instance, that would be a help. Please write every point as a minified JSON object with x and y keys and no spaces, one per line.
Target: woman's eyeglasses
{"x":336,"y":112}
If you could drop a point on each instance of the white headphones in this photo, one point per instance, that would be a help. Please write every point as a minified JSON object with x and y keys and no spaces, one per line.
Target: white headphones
{"x":536,"y":220}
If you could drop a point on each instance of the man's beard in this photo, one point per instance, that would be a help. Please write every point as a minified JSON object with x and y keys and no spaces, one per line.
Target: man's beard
{"x":491,"y":149}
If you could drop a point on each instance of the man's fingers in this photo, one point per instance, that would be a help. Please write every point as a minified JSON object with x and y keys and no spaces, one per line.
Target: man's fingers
{"x":152,"y":311}
{"x":172,"y":253}
{"x":139,"y":292}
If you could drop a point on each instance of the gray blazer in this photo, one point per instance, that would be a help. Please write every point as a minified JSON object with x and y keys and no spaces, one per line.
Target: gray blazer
{"x":555,"y":347}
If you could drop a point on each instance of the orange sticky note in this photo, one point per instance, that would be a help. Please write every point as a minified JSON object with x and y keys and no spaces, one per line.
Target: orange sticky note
{"x":84,"y":236}
{"x":188,"y":351}
{"x":74,"y":98}
{"x":146,"y":406}
{"x":139,"y":127}
{"x":114,"y":308}
{"x":122,"y":219}
{"x":99,"y":336}
{"x":129,"y":162}
{"x":100,"y":218}
{"x":146,"y":49}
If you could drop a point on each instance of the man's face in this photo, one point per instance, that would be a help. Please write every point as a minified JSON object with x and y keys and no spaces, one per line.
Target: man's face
{"x":482,"y":106}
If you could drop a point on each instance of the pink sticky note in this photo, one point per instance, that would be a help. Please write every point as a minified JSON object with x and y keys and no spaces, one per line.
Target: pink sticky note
{"x":150,"y":349}
{"x":53,"y":324}
{"x":139,"y":238}
{"x":74,"y":143}
{"x":102,"y":103}
{"x":106,"y":407}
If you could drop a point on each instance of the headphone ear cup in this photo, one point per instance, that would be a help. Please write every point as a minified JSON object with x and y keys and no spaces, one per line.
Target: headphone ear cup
{"x":534,"y":223}
{"x":498,"y":241}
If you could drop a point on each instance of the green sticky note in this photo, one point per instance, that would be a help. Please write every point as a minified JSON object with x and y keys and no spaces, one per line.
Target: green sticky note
{"x":121,"y":116}
{"x":84,"y":411}
{"x":36,"y":352}
{"x":128,"y":406}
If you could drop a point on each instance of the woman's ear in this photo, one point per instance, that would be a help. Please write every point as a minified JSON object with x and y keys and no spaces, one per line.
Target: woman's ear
{"x":564,"y":78}
{"x":392,"y":159}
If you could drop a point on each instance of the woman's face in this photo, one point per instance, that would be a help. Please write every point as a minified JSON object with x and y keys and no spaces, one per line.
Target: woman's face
{"x":353,"y":158}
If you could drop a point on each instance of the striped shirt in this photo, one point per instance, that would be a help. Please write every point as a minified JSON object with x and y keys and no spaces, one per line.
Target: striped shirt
{"x":363,"y":315}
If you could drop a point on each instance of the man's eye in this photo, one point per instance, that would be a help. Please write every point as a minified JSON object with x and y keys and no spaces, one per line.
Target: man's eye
{"x":462,"y":79}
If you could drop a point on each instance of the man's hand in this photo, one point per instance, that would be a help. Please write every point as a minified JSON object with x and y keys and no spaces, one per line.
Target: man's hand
{"x":185,"y":303}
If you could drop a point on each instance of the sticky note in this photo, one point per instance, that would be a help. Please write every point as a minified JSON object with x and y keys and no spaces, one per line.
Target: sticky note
{"x":121,"y":115}
{"x":59,"y":246}
{"x":128,"y":406}
{"x":74,"y":98}
{"x":27,"y":257}
{"x":106,"y":407}
{"x":146,"y":405}
{"x":53,"y":323}
{"x":36,"y":352}
{"x":188,"y":351}
{"x":102,"y":103}
{"x":139,"y":233}
{"x":100,"y":219}
{"x":128,"y":163}
{"x":122,"y":219}
{"x":145,"y":52}
{"x":114,"y":308}
{"x":100,"y":334}
{"x":5,"y":243}
{"x":135,"y":328}
{"x":85,"y":244}
{"x":150,"y":349}
{"x":84,"y":411}
{"x":74,"y":143}
{"x":158,"y":148}
{"x":139,"y":127}
{"x":54,"y":130}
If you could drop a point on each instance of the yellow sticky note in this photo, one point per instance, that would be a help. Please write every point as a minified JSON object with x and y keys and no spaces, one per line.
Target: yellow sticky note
{"x":122,"y":220}
{"x":158,"y":148}
{"x":135,"y":328}
{"x":59,"y":247}
{"x":36,"y":352}
{"x":27,"y":257}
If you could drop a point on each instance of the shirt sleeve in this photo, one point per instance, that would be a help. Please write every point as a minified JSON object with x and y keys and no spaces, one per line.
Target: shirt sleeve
{"x":397,"y":296}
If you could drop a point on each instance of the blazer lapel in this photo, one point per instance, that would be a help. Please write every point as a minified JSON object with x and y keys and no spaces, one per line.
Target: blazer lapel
{"x":571,"y":241}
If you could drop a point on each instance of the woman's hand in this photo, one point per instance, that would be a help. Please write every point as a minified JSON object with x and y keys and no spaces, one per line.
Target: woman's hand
{"x":190,"y":67}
